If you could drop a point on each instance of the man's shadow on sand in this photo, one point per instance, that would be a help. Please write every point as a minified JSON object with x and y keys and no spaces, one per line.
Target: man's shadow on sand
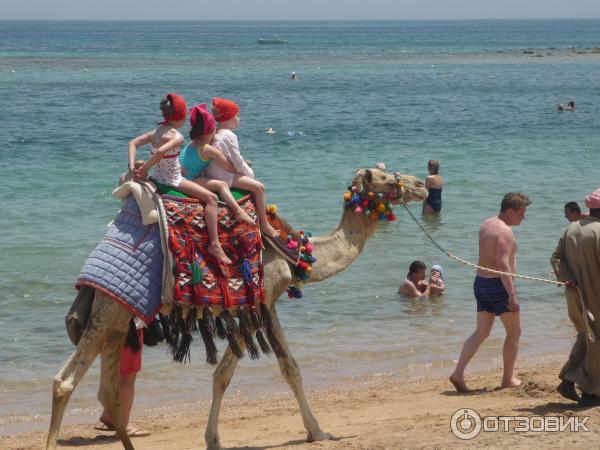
{"x":80,"y":441}
{"x":472,"y":392}
{"x":554,"y":407}
{"x":285,"y":444}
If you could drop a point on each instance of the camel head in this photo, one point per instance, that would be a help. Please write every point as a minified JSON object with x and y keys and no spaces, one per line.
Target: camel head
{"x":398,"y":188}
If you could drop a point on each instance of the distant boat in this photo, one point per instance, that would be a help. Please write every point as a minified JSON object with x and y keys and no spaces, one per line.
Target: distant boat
{"x":272,"y":41}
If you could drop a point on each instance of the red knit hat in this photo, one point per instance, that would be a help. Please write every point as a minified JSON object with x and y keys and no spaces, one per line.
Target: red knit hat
{"x":224,"y":109}
{"x":208,"y":120}
{"x":173,"y":107}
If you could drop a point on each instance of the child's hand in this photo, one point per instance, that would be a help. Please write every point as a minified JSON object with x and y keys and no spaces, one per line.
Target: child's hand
{"x":140,"y":174}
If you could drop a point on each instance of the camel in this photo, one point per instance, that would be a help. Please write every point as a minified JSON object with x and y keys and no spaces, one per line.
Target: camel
{"x":108,"y":322}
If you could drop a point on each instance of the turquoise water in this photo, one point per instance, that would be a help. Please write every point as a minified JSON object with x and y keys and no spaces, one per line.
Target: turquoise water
{"x":465,"y":93}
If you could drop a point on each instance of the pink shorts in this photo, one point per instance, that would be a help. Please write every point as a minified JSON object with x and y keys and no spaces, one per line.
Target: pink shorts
{"x":132,"y":362}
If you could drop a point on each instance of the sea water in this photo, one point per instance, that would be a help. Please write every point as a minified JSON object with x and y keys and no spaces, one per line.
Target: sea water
{"x":479,"y":96}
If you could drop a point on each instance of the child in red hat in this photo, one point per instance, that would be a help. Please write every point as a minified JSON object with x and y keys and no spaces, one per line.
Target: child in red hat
{"x":198,"y":154}
{"x":226,"y":113}
{"x":166,"y":141}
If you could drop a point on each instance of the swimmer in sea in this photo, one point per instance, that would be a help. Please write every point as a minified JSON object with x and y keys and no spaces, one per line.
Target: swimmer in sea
{"x":433,"y":184}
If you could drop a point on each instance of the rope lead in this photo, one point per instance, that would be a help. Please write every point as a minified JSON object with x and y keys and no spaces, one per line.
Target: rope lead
{"x":456,"y":258}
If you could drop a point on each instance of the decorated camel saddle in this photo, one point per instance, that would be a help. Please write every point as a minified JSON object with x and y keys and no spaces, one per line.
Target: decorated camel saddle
{"x":154,"y":253}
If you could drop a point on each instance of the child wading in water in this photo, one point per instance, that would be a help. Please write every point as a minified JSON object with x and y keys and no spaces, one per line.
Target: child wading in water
{"x":226,"y":114}
{"x":436,"y":281}
{"x":198,"y":154}
{"x":166,"y":141}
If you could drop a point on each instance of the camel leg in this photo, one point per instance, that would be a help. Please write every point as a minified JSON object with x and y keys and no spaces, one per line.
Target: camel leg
{"x":105,"y":315}
{"x":66,"y":380}
{"x":221,"y":379}
{"x":108,"y":394}
{"x":291,"y":372}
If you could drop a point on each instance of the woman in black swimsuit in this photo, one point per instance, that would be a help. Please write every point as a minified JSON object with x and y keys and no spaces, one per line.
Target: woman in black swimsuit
{"x":433,"y":184}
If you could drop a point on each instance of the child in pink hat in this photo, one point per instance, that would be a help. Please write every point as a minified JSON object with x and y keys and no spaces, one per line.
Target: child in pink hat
{"x":199,"y":153}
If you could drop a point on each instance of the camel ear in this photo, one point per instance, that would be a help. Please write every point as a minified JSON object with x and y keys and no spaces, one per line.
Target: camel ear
{"x":358,"y":179}
{"x":368,"y":177}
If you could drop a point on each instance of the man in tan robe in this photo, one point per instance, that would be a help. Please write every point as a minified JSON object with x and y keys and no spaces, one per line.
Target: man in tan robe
{"x":578,"y":254}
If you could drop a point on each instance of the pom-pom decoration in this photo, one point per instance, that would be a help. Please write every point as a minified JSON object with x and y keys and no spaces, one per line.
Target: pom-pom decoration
{"x":302,"y":243}
{"x":375,"y":206}
{"x":272,"y":209}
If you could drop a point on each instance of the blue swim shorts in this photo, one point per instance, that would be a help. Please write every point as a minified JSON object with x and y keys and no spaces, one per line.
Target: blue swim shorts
{"x":491,"y":295}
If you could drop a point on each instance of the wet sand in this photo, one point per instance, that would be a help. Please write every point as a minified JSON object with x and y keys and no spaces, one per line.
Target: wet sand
{"x":373,"y":415}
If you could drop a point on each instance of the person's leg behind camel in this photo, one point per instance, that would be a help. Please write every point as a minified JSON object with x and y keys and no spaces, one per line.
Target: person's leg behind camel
{"x":130,"y":365}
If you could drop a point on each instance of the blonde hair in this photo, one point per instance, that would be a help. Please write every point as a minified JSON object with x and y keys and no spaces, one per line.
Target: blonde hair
{"x":514,"y":201}
{"x":434,"y":166}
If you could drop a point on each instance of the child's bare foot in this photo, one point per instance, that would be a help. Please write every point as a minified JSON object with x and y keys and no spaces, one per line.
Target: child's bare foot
{"x":268,"y":230}
{"x":514,"y":382}
{"x":217,"y":251}
{"x":243,"y":216}
{"x":459,"y":384}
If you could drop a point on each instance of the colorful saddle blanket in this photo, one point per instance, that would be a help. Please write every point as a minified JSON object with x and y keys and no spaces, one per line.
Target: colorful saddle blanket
{"x":199,"y":279}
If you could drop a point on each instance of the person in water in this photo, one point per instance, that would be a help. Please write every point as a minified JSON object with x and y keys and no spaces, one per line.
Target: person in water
{"x":433,"y":183}
{"x":166,"y":141}
{"x":436,"y":280}
{"x":573,"y":212}
{"x":415,"y":286}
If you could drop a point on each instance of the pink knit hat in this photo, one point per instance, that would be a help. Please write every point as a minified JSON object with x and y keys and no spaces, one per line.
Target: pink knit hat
{"x":592,"y":201}
{"x":208,"y":121}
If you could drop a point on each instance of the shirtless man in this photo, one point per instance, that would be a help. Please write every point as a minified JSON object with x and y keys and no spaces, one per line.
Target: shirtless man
{"x":496,"y":296}
{"x":415,"y":286}
{"x":573,"y":212}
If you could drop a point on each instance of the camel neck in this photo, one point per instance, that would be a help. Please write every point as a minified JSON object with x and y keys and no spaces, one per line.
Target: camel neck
{"x":337,"y":250}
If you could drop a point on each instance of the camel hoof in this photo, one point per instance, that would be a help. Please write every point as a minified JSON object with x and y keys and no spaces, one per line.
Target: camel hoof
{"x":320,"y":436}
{"x":213,"y":444}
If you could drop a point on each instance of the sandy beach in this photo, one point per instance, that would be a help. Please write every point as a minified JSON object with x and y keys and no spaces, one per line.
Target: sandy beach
{"x":366,"y":416}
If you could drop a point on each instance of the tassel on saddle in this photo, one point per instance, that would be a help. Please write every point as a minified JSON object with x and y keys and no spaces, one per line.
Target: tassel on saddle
{"x":246,"y":332}
{"x":178,"y":331}
{"x":231,"y":330}
{"x":206,"y":325}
